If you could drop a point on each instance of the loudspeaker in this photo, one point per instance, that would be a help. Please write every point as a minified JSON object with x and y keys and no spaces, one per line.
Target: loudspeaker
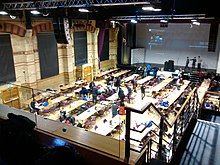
{"x":28,"y":20}
{"x":169,"y":65}
{"x":213,"y":33}
{"x":164,"y":24}
{"x":62,"y":30}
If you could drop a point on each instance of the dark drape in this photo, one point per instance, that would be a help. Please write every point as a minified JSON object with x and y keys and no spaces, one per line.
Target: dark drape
{"x":7,"y":69}
{"x":48,"y":55}
{"x":80,"y":47}
{"x":101,"y":38}
{"x":105,"y":48}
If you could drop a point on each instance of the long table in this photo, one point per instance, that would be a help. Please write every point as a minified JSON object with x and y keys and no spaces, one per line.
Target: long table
{"x":106,"y":72}
{"x":89,"y":112}
{"x":161,"y":85}
{"x":109,"y":125}
{"x":120,"y":73}
{"x":129,"y":78}
{"x":145,"y":79}
{"x":55,"y":115}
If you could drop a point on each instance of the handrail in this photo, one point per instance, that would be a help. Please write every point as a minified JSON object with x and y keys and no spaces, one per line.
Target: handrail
{"x":183,"y":106}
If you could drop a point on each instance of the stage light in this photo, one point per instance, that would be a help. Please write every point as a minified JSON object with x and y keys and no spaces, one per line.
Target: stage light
{"x":12,"y":16}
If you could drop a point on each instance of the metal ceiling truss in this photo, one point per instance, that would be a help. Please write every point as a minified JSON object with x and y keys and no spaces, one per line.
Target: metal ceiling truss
{"x":158,"y":17}
{"x":50,"y":4}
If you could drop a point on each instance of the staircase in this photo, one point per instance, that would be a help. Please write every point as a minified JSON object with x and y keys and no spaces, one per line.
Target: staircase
{"x":194,"y":77}
{"x":203,"y":147}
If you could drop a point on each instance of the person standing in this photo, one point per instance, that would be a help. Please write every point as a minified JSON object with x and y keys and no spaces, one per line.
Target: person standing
{"x":129,"y":93}
{"x":199,"y":63}
{"x":91,"y":85}
{"x":187,"y":63}
{"x":95,"y":93}
{"x":148,"y":69}
{"x":121,"y":95}
{"x":193,"y":63}
{"x":142,"y":91}
{"x":117,"y":82}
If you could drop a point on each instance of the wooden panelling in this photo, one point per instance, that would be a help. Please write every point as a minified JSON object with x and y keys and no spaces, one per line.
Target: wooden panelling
{"x":84,"y":72}
{"x":11,"y":97}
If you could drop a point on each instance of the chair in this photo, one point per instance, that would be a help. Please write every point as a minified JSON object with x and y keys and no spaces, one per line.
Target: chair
{"x":95,"y":128}
{"x":93,"y":120}
{"x":87,"y":124}
{"x":101,"y":112}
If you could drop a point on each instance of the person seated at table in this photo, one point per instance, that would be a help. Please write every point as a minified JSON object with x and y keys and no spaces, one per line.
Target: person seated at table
{"x":79,"y":125}
{"x":83,"y":92}
{"x":45,"y":103}
{"x":70,"y":119}
{"x":33,"y":107}
{"x":85,"y":98}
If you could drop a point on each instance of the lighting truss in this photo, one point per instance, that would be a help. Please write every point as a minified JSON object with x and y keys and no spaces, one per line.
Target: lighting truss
{"x":158,"y":17}
{"x":50,"y":4}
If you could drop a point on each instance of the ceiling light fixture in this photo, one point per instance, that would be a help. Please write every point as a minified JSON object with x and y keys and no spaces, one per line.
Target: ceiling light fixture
{"x":3,"y":13}
{"x":35,"y":12}
{"x":133,"y":21}
{"x":193,"y":20}
{"x":150,"y":8}
{"x":83,"y":10}
{"x":163,"y":21}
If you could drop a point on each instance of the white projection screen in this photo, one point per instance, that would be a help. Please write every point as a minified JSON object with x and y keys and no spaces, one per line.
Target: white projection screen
{"x":176,"y":42}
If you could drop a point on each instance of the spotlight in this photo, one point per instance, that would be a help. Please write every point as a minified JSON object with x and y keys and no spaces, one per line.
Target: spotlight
{"x":12,"y":16}
{"x":113,"y":24}
{"x":196,"y":23}
{"x":45,"y":13}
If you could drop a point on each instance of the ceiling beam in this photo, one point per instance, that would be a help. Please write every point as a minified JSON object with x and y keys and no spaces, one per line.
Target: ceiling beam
{"x":51,"y":4}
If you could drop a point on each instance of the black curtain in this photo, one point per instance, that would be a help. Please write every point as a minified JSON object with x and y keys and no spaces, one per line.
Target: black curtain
{"x":105,"y":48}
{"x":80,"y":47}
{"x":7,"y":69}
{"x":48,"y":55}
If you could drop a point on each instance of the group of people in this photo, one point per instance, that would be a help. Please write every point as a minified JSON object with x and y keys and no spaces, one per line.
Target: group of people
{"x":194,"y":60}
